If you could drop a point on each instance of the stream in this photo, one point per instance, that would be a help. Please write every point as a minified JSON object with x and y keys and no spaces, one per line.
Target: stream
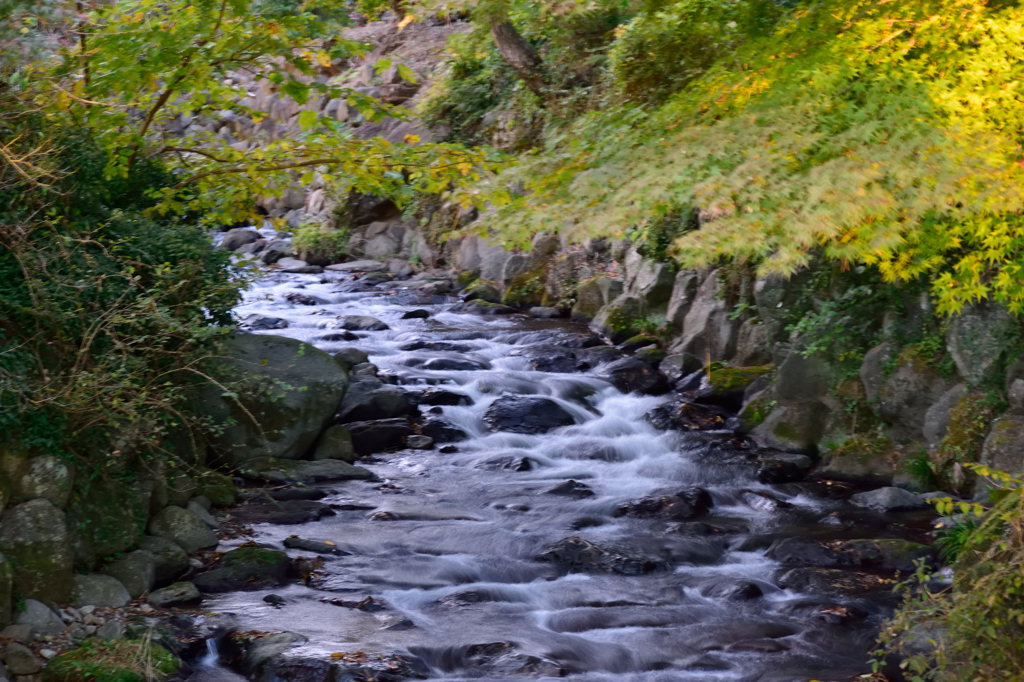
{"x":482,"y":562}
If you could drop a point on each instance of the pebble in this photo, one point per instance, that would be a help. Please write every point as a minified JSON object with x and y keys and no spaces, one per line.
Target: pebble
{"x":47,"y":653}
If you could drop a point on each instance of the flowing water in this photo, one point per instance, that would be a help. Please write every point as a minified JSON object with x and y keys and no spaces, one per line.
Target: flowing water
{"x":453,"y":562}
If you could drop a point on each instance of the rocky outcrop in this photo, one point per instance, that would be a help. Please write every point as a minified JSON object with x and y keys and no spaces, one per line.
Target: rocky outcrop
{"x":708,"y":330}
{"x":34,"y":537}
{"x":294,"y":391}
{"x":183,"y":528}
{"x":594,"y":294}
{"x":979,"y":339}
{"x":906,"y":396}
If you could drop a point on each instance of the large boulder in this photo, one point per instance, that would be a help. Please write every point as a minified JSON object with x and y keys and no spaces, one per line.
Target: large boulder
{"x":638,"y":373}
{"x":906,"y":395}
{"x":179,"y":594}
{"x":526,"y":414}
{"x":335,"y":443}
{"x":378,"y":435}
{"x":368,"y":398}
{"x":183,"y":528}
{"x":936,"y":419}
{"x":874,"y":365}
{"x":800,"y":378}
{"x":238,"y":237}
{"x":285,"y":422}
{"x":99,"y":590}
{"x":1003,"y":449}
{"x":34,"y":538}
{"x":171,"y":561}
{"x":317,"y":471}
{"x":754,"y":344}
{"x":135,"y":570}
{"x":620,"y":319}
{"x":888,"y":499}
{"x":707,"y":327}
{"x":246,"y":568}
{"x":44,"y":476}
{"x":593,"y":294}
{"x":108,"y":517}
{"x":684,"y":291}
{"x":41,"y":618}
{"x":794,"y":427}
{"x":862,"y":459}
{"x":649,"y":281}
{"x":979,"y":339}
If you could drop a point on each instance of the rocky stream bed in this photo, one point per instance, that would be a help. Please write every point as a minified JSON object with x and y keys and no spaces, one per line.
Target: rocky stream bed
{"x":536,"y":504}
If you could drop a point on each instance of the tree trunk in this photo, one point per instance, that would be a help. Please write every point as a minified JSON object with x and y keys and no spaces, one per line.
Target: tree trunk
{"x":398,"y":8}
{"x":520,"y":55}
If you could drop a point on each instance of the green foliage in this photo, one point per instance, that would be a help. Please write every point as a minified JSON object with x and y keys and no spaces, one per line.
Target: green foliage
{"x":877,"y":133}
{"x":316,"y":242}
{"x":660,"y":51}
{"x":952,"y":539}
{"x":118,"y":660}
{"x":972,"y":629}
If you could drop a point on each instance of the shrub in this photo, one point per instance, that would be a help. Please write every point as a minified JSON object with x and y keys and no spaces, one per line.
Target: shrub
{"x":320,"y":245}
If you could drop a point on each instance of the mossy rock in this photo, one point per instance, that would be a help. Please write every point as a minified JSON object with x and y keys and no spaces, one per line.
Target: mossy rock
{"x":651,"y":354}
{"x":110,"y":661}
{"x":105,"y":518}
{"x":730,"y":379}
{"x":757,"y":410}
{"x":246,"y":568}
{"x":219,"y":489}
{"x":467,"y":278}
{"x":863,"y":458}
{"x":526,"y":289}
{"x":639,"y":341}
{"x":482,"y":290}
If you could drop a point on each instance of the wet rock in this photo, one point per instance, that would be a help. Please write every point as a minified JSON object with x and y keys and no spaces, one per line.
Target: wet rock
{"x":238,"y":237}
{"x":335,"y":443}
{"x":98,"y":590}
{"x":526,"y":414}
{"x":295,"y":542}
{"x":368,"y":398}
{"x":550,"y":358}
{"x":177,"y":595}
{"x":135,"y":570}
{"x":419,"y":314}
{"x":546,"y":313}
{"x":679,"y":365}
{"x":258,"y":652}
{"x":448,"y":364}
{"x":361,"y":323}
{"x":481,"y":291}
{"x":434,"y":396}
{"x":485,"y":308}
{"x":339,"y":336}
{"x":183,"y":528}
{"x":763,"y":502}
{"x":439,"y":429}
{"x":317,"y":471}
{"x":350,"y":356}
{"x":795,"y":427}
{"x":783,"y":467}
{"x":365,"y":369}
{"x":635,"y":374}
{"x":299,"y":267}
{"x":358,"y":266}
{"x":447,"y":449}
{"x":34,"y":538}
{"x":733,"y":590}
{"x":680,"y":506}
{"x":286,"y":494}
{"x":798,"y":551}
{"x":572,"y":489}
{"x":440,"y":346}
{"x":246,"y":568}
{"x":832,"y":582}
{"x":289,"y":421}
{"x":275,"y":600}
{"x":862,"y":459}
{"x":257,"y":322}
{"x":684,"y":415}
{"x":576,"y":555}
{"x":40,"y":618}
{"x":419,"y":442}
{"x":371,"y":437}
{"x":888,"y":499}
{"x":284,"y":513}
{"x":593,"y":294}
{"x":889,"y":554}
{"x":171,"y":560}
{"x":275,"y":250}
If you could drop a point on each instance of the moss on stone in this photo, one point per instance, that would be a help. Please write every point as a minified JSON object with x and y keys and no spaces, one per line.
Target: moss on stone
{"x":651,"y":354}
{"x":728,"y":379}
{"x":527,"y":288}
{"x":111,"y":661}
{"x":467,"y":278}
{"x":757,"y":410}
{"x":218,"y":488}
{"x":104,"y":518}
{"x":249,"y":555}
{"x":641,"y":340}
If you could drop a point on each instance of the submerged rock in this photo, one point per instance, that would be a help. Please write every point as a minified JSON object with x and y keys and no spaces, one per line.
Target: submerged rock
{"x":680,"y":506}
{"x":526,"y":414}
{"x":577,"y":555}
{"x":684,"y":415}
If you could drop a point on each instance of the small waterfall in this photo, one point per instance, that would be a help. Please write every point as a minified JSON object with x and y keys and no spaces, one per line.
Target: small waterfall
{"x":212,"y":657}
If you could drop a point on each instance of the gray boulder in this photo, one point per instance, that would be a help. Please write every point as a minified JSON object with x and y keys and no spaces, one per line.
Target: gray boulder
{"x":904,"y":398}
{"x":171,"y":560}
{"x":936,"y":419}
{"x":481,"y":290}
{"x":238,"y":237}
{"x":526,"y":414}
{"x":20,"y":661}
{"x":707,"y":328}
{"x":684,"y":291}
{"x":351,"y":356}
{"x":178,"y":594}
{"x":1003,"y":450}
{"x":203,"y":513}
{"x":620,"y":319}
{"x":39,"y":477}
{"x":377,"y":435}
{"x":370,"y":398}
{"x":754,"y":344}
{"x":362,"y":323}
{"x":978,"y":339}
{"x":275,"y":251}
{"x":872,"y":368}
{"x":335,"y":443}
{"x":135,"y":570}
{"x":99,"y":590}
{"x":41,"y":618}
{"x":594,"y":294}
{"x":317,"y":471}
{"x":259,"y":651}
{"x":649,"y":280}
{"x":245,"y":568}
{"x":358,"y":266}
{"x":888,"y":500}
{"x":183,"y":528}
{"x":296,"y":266}
{"x":257,"y":322}
{"x":793,"y":426}
{"x":35,"y":539}
{"x":287,"y":424}
{"x":861,"y":460}
{"x":802,"y":378}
